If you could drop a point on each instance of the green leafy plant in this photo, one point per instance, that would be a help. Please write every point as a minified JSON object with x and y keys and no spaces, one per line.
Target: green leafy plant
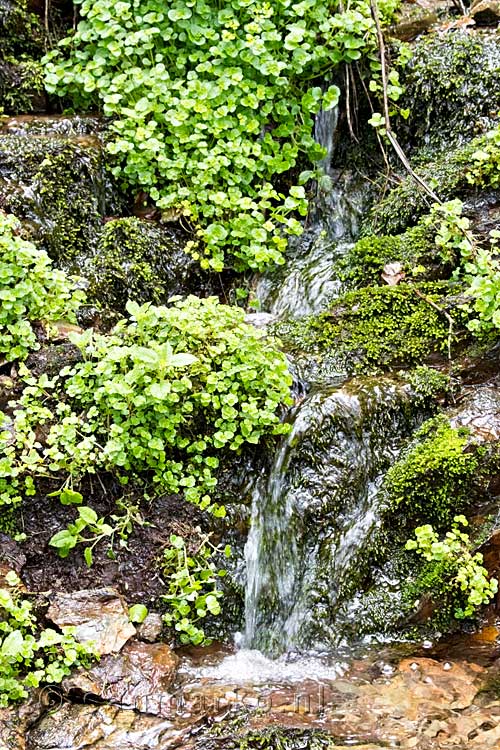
{"x":31,"y":291}
{"x":192,"y":587}
{"x":211,"y":103}
{"x":29,"y":654}
{"x":88,"y":523}
{"x":154,"y":402}
{"x":454,"y":571}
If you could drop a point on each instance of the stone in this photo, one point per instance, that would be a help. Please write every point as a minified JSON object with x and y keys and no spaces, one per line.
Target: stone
{"x":76,"y":727}
{"x":485,"y":12}
{"x":99,"y":615}
{"x":150,"y":629}
{"x":138,"y":678}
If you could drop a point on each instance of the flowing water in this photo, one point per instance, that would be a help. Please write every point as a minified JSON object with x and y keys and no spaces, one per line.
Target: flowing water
{"x":313,"y":513}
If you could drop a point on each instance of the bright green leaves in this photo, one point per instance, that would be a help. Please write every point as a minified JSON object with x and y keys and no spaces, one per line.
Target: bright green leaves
{"x":192,"y":587}
{"x":30,"y":290}
{"x":154,"y":401}
{"x":458,"y":573}
{"x":29,"y":655}
{"x":209,"y":104}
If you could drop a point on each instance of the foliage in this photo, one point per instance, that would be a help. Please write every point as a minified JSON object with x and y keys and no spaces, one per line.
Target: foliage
{"x":427,"y":382}
{"x":154,"y":401}
{"x":97,"y":528}
{"x":434,"y":477}
{"x":192,"y":587}
{"x":377,"y":327}
{"x":21,"y":81}
{"x":209,"y":104}
{"x":31,"y":291}
{"x":454,"y":572}
{"x":29,"y":654}
{"x":485,"y":167}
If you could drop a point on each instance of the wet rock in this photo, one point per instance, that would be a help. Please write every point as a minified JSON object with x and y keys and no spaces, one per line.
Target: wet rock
{"x":51,"y":359}
{"x":57,"y":186}
{"x":139,"y":678}
{"x":413,"y":24}
{"x":260,"y":320}
{"x":480,"y":414}
{"x":150,"y":629}
{"x":485,"y":12}
{"x":143,"y":261}
{"x":99,"y":615}
{"x":76,"y":727}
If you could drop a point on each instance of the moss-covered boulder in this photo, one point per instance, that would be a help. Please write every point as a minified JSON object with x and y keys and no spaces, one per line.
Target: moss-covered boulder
{"x":140,"y":260}
{"x":452,"y":87}
{"x":57,"y":187}
{"x":379,"y":328}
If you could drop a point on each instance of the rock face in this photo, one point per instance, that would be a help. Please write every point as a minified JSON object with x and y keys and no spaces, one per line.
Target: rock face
{"x":99,"y":615}
{"x":485,"y":12}
{"x":138,"y":678}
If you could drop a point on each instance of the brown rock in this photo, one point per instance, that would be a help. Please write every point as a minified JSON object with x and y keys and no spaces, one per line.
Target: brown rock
{"x":99,"y":616}
{"x":150,"y":629}
{"x":486,"y":12}
{"x":138,"y":678}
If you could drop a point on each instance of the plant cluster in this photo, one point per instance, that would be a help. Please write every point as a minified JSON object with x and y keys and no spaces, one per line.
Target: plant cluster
{"x":31,"y":291}
{"x":453,"y":572}
{"x":29,"y":654}
{"x":156,"y":401}
{"x":210,"y":103}
{"x":192,"y":587}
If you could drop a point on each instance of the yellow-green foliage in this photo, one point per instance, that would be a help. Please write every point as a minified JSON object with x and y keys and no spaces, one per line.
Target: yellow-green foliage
{"x":376,"y":328}
{"x":435,"y":476}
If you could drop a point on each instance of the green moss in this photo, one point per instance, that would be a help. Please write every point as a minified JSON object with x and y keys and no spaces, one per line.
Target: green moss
{"x":141,"y":261}
{"x":434,"y":479}
{"x":232,"y":736}
{"x":452,"y":87}
{"x":404,"y":205}
{"x":376,"y":328}
{"x":428,"y":383}
{"x":415,"y":249}
{"x":56,"y":187}
{"x":21,"y":46}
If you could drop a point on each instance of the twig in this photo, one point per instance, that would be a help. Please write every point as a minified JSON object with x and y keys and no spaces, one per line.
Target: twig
{"x":387,"y":120}
{"x":441,"y":312}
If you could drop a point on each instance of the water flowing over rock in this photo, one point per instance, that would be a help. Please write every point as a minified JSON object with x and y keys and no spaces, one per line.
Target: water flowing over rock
{"x":313,"y":514}
{"x":139,"y":678}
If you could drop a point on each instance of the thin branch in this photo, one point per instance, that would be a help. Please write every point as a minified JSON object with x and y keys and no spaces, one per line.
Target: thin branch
{"x":387,"y":120}
{"x":441,"y":312}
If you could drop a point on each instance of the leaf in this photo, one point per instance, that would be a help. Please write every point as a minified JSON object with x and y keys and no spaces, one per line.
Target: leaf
{"x":87,"y":514}
{"x":13,"y":644}
{"x":63,"y":539}
{"x":137,"y":613}
{"x":182,"y":360}
{"x":70,"y":497}
{"x":88,"y":556}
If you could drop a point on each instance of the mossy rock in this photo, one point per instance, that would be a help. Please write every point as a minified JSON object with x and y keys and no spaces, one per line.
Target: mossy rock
{"x":451,"y":87}
{"x":232,"y":736}
{"x":415,"y":250}
{"x":404,"y":205}
{"x":142,"y":261}
{"x":56,"y":186}
{"x":378,"y":328}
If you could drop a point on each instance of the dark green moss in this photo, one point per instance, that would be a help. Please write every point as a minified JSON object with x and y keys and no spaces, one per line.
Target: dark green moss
{"x":142,"y":261}
{"x":415,"y":250}
{"x":56,"y":187}
{"x":377,"y":328}
{"x":21,"y":47}
{"x":405,"y":204}
{"x":451,"y":87}
{"x":231,"y":736}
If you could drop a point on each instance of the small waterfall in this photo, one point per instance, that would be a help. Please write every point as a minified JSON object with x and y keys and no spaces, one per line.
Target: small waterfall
{"x":309,"y":280}
{"x":314,"y":512}
{"x":325,"y":127}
